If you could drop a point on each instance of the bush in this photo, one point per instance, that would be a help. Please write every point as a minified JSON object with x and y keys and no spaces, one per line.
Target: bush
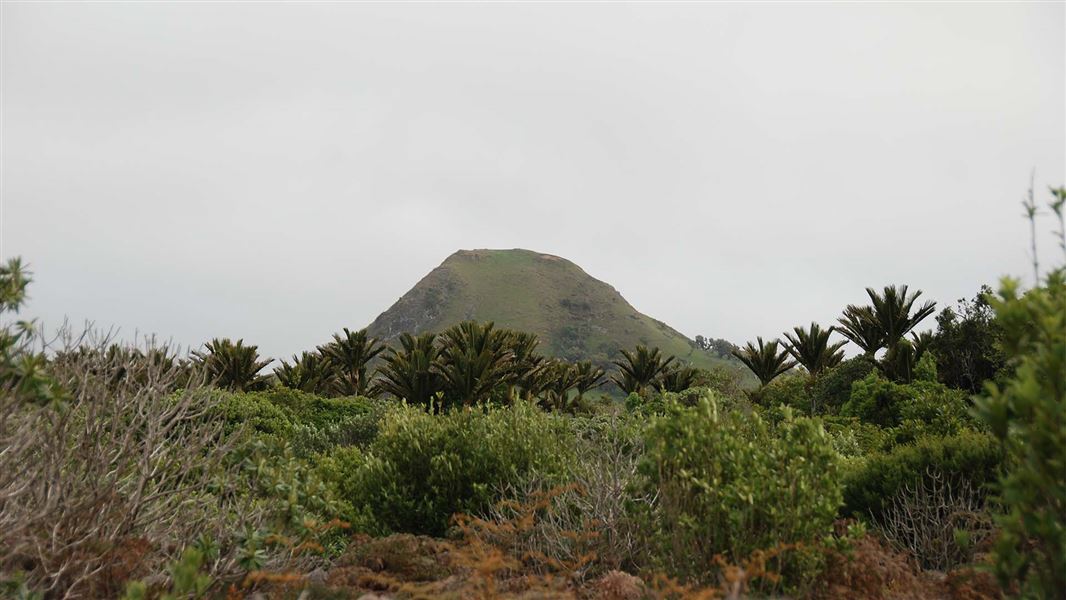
{"x":833,"y":388}
{"x":729,"y":485}
{"x":423,"y":468}
{"x":590,"y":515}
{"x":854,"y":439}
{"x":939,"y":520}
{"x":1028,"y":414}
{"x":968,"y":456}
{"x":821,"y":395}
{"x":792,"y":390}
{"x":877,"y":400}
{"x":311,"y":424}
{"x":114,"y":479}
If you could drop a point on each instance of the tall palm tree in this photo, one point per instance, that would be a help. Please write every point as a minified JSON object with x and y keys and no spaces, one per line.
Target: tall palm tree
{"x":587,"y":377}
{"x":860,"y":326}
{"x":475,"y":360}
{"x":765,"y":360}
{"x":893,"y":308}
{"x":349,"y":355}
{"x":637,"y":370}
{"x":891,"y":315}
{"x":233,"y":366}
{"x":409,"y":373}
{"x":811,"y":348}
{"x":308,"y":373}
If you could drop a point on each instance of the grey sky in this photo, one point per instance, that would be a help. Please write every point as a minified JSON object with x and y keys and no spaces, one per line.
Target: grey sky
{"x":278,"y":171}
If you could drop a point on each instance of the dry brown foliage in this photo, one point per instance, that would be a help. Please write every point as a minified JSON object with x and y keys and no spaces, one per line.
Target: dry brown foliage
{"x":111,"y":482}
{"x":491,"y":560}
{"x":869,"y":571}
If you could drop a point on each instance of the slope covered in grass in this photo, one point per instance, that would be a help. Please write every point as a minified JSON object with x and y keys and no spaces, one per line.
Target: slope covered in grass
{"x":575,"y":315}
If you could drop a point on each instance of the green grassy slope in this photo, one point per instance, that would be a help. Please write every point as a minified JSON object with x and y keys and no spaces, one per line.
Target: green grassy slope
{"x":574,"y":315}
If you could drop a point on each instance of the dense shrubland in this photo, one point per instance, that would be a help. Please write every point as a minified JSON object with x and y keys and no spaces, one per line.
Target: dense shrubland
{"x":468,"y":463}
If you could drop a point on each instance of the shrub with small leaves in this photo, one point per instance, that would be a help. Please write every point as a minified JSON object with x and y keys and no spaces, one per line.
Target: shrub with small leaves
{"x":729,"y":484}
{"x":422,"y":468}
{"x":1027,"y":413}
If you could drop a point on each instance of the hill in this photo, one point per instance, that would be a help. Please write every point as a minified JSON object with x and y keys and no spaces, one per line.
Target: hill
{"x":575,"y":315}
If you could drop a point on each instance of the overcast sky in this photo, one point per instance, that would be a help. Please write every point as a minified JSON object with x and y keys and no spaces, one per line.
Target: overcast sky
{"x":275,"y":172}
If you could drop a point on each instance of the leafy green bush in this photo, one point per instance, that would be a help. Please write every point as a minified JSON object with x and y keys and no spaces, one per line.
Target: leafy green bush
{"x":423,"y":468}
{"x":969,"y":455}
{"x":1028,"y":414}
{"x":854,"y":439}
{"x":310,"y":423}
{"x":728,"y":484}
{"x":821,"y":395}
{"x":877,"y":400}
{"x":792,"y":390}
{"x":833,"y":388}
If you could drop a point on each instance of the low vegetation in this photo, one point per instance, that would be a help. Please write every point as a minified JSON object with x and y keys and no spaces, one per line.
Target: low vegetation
{"x":471,"y":463}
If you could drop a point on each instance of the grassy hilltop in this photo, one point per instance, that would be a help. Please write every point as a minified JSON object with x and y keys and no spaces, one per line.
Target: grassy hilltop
{"x":575,"y":315}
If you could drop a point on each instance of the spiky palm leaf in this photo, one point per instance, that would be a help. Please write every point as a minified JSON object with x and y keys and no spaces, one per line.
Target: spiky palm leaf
{"x":811,"y":348}
{"x":895,"y":312}
{"x":860,"y":326}
{"x":233,"y":366}
{"x":587,"y":377}
{"x":637,"y":370}
{"x":310,"y":372}
{"x":677,"y":379}
{"x":349,"y":355}
{"x":475,"y":360}
{"x":558,"y":378}
{"x":527,"y":365}
{"x":765,"y":360}
{"x":410,"y":373}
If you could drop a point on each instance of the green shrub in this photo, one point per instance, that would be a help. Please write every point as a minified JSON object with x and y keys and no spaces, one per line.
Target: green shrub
{"x":256,"y":412}
{"x":854,"y":439}
{"x":821,"y":395}
{"x":423,"y":468}
{"x":792,"y":390}
{"x":311,"y":424}
{"x":885,"y":403}
{"x":728,"y":484}
{"x":969,"y":456}
{"x":832,"y":389}
{"x":1028,"y":414}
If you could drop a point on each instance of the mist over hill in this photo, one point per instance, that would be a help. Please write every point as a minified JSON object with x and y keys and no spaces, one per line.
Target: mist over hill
{"x":575,"y":315}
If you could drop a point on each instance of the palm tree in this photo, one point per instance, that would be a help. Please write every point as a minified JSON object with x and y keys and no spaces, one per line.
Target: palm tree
{"x":891,"y":315}
{"x":527,"y":364}
{"x":233,"y":366}
{"x":587,"y":377}
{"x":811,"y":348}
{"x":475,"y":360}
{"x":557,"y":379}
{"x":892,"y":311}
{"x":308,"y":373}
{"x":677,"y":379}
{"x":765,"y":360}
{"x":640,"y":369}
{"x":860,"y":326}
{"x":409,"y":373}
{"x":902,"y":357}
{"x":349,"y":354}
